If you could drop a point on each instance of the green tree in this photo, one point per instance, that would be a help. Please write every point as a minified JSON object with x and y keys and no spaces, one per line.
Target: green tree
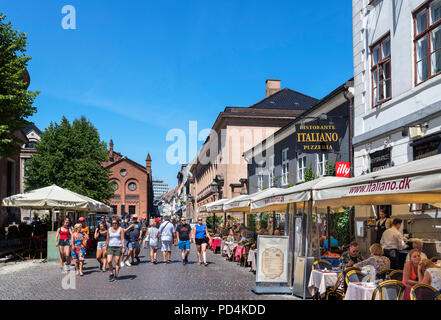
{"x":15,"y":100}
{"x":330,"y":168}
{"x":70,"y":156}
{"x":309,"y":174}
{"x":218,"y":221}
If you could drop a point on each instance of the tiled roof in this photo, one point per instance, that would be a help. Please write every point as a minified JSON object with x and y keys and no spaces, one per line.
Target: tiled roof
{"x":31,"y":127}
{"x":286,"y":99}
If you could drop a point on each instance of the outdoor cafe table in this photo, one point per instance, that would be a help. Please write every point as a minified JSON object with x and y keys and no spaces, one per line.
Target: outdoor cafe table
{"x":320,"y":280}
{"x":360,"y":291}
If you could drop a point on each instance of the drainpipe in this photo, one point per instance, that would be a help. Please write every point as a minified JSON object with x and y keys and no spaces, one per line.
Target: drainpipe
{"x":349,"y":96}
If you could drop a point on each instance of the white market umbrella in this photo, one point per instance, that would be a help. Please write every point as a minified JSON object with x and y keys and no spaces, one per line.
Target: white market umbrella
{"x":216,"y":206}
{"x":54,"y":197}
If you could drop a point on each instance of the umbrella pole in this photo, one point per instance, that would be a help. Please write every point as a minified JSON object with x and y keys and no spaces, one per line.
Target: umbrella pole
{"x":52,"y":219}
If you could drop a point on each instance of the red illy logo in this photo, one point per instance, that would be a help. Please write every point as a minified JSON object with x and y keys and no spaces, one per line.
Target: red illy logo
{"x":343,"y":169}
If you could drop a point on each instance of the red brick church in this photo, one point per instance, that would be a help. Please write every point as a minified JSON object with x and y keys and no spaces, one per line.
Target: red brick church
{"x":132,"y":184}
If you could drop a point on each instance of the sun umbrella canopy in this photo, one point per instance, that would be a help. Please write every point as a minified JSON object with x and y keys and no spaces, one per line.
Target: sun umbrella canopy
{"x":216,"y":206}
{"x":54,"y":197}
{"x":417,"y":181}
{"x":279,"y":199}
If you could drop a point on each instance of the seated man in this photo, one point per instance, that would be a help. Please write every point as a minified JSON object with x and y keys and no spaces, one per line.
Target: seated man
{"x":352,"y":256}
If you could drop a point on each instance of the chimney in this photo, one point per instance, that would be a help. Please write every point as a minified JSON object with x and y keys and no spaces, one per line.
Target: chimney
{"x":272,"y":86}
{"x":111,"y":150}
{"x":148,"y":163}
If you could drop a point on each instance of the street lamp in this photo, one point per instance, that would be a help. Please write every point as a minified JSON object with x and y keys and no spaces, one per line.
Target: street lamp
{"x":216,"y":186}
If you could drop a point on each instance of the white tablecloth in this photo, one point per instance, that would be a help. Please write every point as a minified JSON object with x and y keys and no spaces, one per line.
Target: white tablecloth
{"x":252,"y":259}
{"x":228,"y":248}
{"x":359,"y":291}
{"x":320,"y":280}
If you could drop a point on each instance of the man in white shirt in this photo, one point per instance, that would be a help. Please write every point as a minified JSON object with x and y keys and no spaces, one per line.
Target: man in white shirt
{"x":392,"y":241}
{"x":166,"y":233}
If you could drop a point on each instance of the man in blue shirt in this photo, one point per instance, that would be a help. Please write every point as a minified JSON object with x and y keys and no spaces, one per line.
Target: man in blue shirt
{"x":334,"y":242}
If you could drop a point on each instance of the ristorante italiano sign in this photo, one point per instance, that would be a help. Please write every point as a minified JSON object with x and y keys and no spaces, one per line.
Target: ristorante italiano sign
{"x":317,"y":137}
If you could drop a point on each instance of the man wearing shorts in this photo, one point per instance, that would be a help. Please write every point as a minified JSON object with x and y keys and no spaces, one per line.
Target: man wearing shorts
{"x":166,"y":231}
{"x":133,"y":244}
{"x":183,"y":232}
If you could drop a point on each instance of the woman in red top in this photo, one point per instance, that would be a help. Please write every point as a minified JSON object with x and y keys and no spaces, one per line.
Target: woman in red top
{"x":62,"y":241}
{"x":410,"y":271}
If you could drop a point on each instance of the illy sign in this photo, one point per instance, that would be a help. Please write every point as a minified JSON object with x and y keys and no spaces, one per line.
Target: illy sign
{"x":343,"y":169}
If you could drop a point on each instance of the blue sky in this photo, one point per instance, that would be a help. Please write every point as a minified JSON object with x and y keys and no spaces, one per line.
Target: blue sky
{"x":139,"y":68}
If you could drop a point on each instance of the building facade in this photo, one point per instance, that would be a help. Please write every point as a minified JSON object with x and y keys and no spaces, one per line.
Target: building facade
{"x":10,"y":182}
{"x":132,"y":184}
{"x":235,"y":131}
{"x":33,"y":135}
{"x":397,"y":104}
{"x":160,"y":188}
{"x":279,"y":161}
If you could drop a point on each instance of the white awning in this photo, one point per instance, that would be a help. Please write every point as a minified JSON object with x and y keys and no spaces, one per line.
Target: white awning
{"x":417,"y":181}
{"x":278,"y":200}
{"x":54,"y":197}
{"x":216,"y":206}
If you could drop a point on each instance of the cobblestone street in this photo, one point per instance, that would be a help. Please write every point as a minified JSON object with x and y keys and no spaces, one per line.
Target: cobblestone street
{"x":220,"y":280}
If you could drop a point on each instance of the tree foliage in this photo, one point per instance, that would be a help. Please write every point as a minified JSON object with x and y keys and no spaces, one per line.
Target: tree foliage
{"x":15,"y":100}
{"x":70,"y":156}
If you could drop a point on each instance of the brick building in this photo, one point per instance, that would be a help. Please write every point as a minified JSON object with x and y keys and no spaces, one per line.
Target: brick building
{"x":10,"y":177}
{"x":132,"y":184}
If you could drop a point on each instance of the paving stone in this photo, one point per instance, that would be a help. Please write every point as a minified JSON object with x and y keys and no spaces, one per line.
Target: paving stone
{"x":221,"y":280}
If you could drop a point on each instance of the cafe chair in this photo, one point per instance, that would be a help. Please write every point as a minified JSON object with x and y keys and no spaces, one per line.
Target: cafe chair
{"x":396,"y":275}
{"x":423,"y":291}
{"x":354,"y":276}
{"x":384,"y":274}
{"x":337,"y":291}
{"x":321,"y":264}
{"x":389,"y":290}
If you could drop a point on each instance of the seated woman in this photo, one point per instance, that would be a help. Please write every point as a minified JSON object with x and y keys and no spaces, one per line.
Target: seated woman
{"x":417,"y":244}
{"x":429,"y":273}
{"x":377,"y":260}
{"x":230,"y":237}
{"x":410,"y":271}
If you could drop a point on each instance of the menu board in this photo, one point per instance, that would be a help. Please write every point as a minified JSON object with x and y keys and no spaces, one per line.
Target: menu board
{"x":272,"y":259}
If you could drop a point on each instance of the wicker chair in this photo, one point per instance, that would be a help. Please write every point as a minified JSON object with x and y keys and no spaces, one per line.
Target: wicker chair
{"x":354,"y":276}
{"x":389,"y":290}
{"x":337,"y":291}
{"x":383,"y":274}
{"x":321,"y":264}
{"x":396,"y":275}
{"x":423,"y":291}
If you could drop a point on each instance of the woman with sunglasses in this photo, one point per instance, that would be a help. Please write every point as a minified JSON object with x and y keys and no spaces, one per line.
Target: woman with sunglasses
{"x":201,"y":238}
{"x":115,"y":245}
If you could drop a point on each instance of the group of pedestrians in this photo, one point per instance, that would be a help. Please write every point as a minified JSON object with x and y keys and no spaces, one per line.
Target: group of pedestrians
{"x":71,"y":242}
{"x":119,"y":243}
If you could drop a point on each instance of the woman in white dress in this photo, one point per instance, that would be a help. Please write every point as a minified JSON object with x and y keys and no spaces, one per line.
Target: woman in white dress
{"x":430,"y":273}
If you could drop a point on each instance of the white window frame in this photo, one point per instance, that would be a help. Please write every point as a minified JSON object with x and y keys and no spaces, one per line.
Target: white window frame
{"x":322,"y":159}
{"x":271,"y":172}
{"x":285,"y":167}
{"x":301,"y":169}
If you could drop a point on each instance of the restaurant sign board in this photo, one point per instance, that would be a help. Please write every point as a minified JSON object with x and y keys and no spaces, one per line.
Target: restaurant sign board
{"x":317,"y":137}
{"x":272,"y":259}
